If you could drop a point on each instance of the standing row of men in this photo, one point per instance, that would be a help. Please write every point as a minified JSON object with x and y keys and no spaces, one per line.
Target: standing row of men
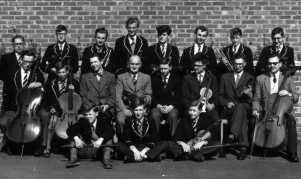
{"x":175,"y":86}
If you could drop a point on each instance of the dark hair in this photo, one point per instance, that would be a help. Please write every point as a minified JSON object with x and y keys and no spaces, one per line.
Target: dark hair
{"x":202,"y":28}
{"x":28,"y":53}
{"x":60,"y":28}
{"x":238,"y":56}
{"x":102,"y":30}
{"x":200,"y":58}
{"x":235,"y":31}
{"x":137,"y":101}
{"x":163,"y":28}
{"x":60,"y":65}
{"x":17,"y":37}
{"x":132,"y":20}
{"x":272,"y":55}
{"x":165,"y":61}
{"x":277,"y":30}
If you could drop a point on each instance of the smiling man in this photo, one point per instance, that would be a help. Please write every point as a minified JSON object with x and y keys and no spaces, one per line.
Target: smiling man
{"x":284,"y":52}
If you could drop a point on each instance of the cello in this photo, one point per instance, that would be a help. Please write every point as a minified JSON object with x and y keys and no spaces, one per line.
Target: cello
{"x":26,"y":126}
{"x":70,"y":102}
{"x":270,"y":132}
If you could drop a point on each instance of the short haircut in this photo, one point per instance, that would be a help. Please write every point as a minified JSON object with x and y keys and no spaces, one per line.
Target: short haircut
{"x":132,"y":20}
{"x":235,"y":31}
{"x":60,"y":65}
{"x":60,"y":28}
{"x":200,"y":58}
{"x":17,"y":37}
{"x":165,"y":61}
{"x":272,"y":55}
{"x":102,"y":30}
{"x":277,"y":30}
{"x":202,"y":28}
{"x":28,"y":53}
{"x":239,"y":56}
{"x":162,"y":29}
{"x":138,"y":101}
{"x":195,"y":103}
{"x":135,"y":56}
{"x":93,"y":56}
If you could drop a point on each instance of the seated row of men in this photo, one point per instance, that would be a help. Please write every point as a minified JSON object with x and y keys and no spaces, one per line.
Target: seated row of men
{"x":169,"y":97}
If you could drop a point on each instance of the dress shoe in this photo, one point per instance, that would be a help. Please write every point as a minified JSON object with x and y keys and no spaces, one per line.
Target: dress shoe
{"x":107,"y":164}
{"x":46,"y":154}
{"x":242,"y":154}
{"x":72,"y":163}
{"x":128,"y":159}
{"x":231,"y":139}
{"x":293,"y":158}
{"x":38,"y":152}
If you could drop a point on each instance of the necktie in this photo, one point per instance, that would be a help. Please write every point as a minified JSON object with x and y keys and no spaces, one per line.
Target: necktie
{"x":163,"y":50}
{"x":25,"y":79}
{"x":200,"y":78}
{"x":194,"y":124}
{"x":237,"y":79}
{"x":94,"y":135}
{"x":200,"y":49}
{"x":132,"y":44}
{"x":274,"y":78}
{"x":165,"y":82}
{"x":134,"y":78}
{"x":140,"y":127}
{"x":234,"y":49}
{"x":62,"y":87}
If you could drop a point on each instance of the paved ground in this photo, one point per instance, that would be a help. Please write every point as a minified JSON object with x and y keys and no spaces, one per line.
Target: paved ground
{"x":13,"y":167}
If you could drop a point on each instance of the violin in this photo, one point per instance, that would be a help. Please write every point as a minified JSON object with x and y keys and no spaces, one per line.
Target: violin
{"x":70,"y":102}
{"x":205,"y":95}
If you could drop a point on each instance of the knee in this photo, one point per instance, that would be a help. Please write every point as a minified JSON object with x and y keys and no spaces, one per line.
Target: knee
{"x":173,"y":115}
{"x":156,"y":114}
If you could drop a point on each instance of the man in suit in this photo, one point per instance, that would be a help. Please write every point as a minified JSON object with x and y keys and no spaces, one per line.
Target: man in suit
{"x":197,"y":82}
{"x":235,"y":95}
{"x":14,"y":81}
{"x":199,"y":47}
{"x":267,"y":87}
{"x":160,"y":51}
{"x":91,"y":130}
{"x":100,"y":49}
{"x":236,"y":49}
{"x":61,"y":84}
{"x":284,"y":52}
{"x":140,"y":134}
{"x":60,"y":51}
{"x":166,"y":88}
{"x":129,"y":85}
{"x":97,"y":88}
{"x":129,"y":45}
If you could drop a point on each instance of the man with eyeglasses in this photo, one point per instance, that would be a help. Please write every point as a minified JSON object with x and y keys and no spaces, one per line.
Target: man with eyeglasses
{"x":267,"y":87}
{"x":283,"y":51}
{"x":61,"y":51}
{"x":199,"y":47}
{"x":235,"y":96}
{"x":130,"y":85}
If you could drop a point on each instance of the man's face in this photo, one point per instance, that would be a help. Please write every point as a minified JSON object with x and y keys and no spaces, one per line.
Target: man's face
{"x":199,"y":67}
{"x":278,"y":40}
{"x":61,"y":36}
{"x":236,"y":39}
{"x":135,"y":64}
{"x":164,"y":69}
{"x":62,"y":73}
{"x":163,"y":38}
{"x":193,"y":112}
{"x":274,"y":64}
{"x":139,"y":112}
{"x":132,"y":29}
{"x":239,"y":65}
{"x":95,"y":63}
{"x":91,"y":115}
{"x":18,"y":45}
{"x":27,"y":62}
{"x":100,"y":39}
{"x":200,"y":37}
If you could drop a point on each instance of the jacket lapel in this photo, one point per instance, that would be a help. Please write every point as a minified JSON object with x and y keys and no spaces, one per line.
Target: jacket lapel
{"x":138,"y":45}
{"x":17,"y":79}
{"x":129,"y":81}
{"x":267,"y":84}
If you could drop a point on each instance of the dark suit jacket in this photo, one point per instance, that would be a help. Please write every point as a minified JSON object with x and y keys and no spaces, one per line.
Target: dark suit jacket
{"x":52,"y":94}
{"x":191,"y":88}
{"x":186,"y":63}
{"x":262,"y":100}
{"x":154,"y":56}
{"x":96,"y":92}
{"x":148,"y":137}
{"x":185,"y":132}
{"x":123,"y":51}
{"x":228,"y":90}
{"x":52,"y":55}
{"x":243,"y":50}
{"x":286,"y":57}
{"x":106,"y":54}
{"x":125,"y":84}
{"x":171,"y":95}
{"x":83,"y":129}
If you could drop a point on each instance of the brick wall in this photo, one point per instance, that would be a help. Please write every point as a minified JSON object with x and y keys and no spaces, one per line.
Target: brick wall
{"x":36,"y":20}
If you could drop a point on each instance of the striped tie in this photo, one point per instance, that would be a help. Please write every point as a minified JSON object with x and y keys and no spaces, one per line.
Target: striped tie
{"x":25,"y":79}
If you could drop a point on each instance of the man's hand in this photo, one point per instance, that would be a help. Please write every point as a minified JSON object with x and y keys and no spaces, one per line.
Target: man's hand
{"x":98,"y":142}
{"x":78,"y":142}
{"x":200,"y":144}
{"x":143,"y":152}
{"x":104,"y":108}
{"x":169,"y":108}
{"x":34,"y":85}
{"x":210,"y":106}
{"x":127,"y":112}
{"x":137,"y":155}
{"x":230,"y":105}
{"x":185,"y":147}
{"x":255,"y":114}
{"x":284,"y":93}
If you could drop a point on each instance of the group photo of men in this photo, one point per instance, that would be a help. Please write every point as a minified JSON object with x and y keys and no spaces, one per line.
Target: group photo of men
{"x":140,"y":102}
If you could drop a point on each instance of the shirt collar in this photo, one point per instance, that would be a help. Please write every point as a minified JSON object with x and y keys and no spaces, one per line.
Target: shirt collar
{"x":276,"y":75}
{"x":130,"y":38}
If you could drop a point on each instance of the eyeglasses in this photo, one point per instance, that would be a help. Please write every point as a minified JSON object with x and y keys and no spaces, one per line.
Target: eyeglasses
{"x":273,"y":63}
{"x":18,"y":43}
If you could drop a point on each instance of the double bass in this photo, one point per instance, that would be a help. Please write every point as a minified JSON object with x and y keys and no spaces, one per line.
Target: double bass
{"x":26,"y":126}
